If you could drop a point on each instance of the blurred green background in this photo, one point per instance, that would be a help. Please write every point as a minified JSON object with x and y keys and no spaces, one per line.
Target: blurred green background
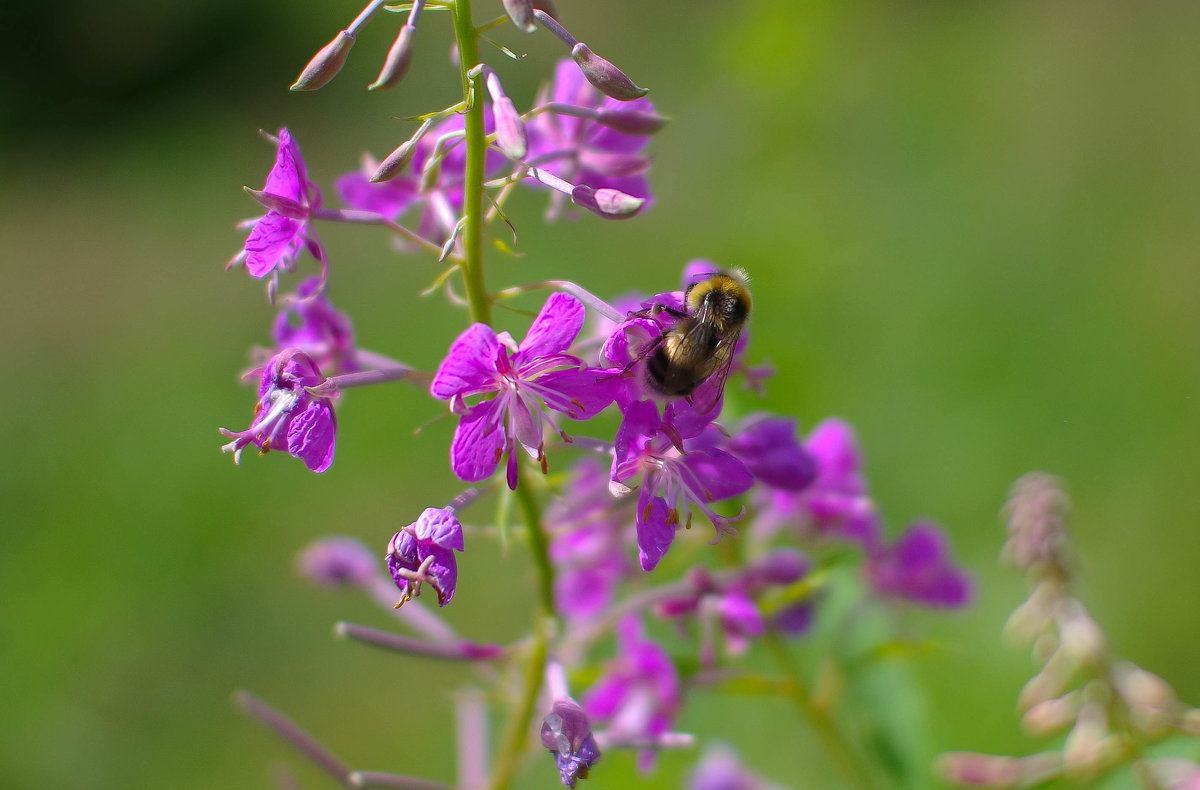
{"x":972,"y":232}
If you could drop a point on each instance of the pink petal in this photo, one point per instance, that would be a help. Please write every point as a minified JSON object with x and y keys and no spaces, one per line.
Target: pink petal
{"x":469,"y":366}
{"x":654,"y":534}
{"x":554,"y":329}
{"x":478,"y":442}
{"x":719,"y":473}
{"x":269,"y":242}
{"x":311,"y":436}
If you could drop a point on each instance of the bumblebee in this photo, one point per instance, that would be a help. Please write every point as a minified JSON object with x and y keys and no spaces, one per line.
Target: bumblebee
{"x":700,"y":345}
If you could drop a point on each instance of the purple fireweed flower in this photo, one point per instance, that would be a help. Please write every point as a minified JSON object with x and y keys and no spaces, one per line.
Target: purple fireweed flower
{"x":918,"y":568}
{"x":277,"y":237}
{"x":583,"y":150}
{"x":287,"y":416}
{"x":439,"y":191}
{"x":674,"y":477}
{"x":310,"y":324}
{"x":337,"y":561}
{"x":639,"y":694}
{"x":424,"y":552}
{"x":567,"y":733}
{"x":528,"y":379}
{"x":835,"y":504}
{"x":587,"y":547}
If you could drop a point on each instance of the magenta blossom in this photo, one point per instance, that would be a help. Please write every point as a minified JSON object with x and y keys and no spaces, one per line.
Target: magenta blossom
{"x":310,"y":324}
{"x":287,"y":416}
{"x":639,"y":694}
{"x":836,"y":503}
{"x":674,"y":477}
{"x":582,"y":150}
{"x":918,"y":568}
{"x":528,"y":379}
{"x":423,"y":552}
{"x":277,"y":238}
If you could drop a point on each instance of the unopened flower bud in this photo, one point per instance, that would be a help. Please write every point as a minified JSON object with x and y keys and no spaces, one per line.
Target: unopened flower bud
{"x":1083,"y":750}
{"x":1030,"y":618}
{"x":1175,"y":774}
{"x":1082,"y":637}
{"x":567,"y":733}
{"x":979,"y":770}
{"x":325,"y":65}
{"x":606,"y":203}
{"x":399,"y":56}
{"x":394,"y":163}
{"x":607,"y":78}
{"x":985,"y":770}
{"x":631,"y":121}
{"x":1052,"y":715}
{"x":510,"y":130}
{"x":521,"y":14}
{"x":1046,"y":684}
{"x":1151,"y":700}
{"x":1037,"y":514}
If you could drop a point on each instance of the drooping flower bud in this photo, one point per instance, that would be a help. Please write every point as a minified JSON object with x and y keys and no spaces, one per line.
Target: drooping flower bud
{"x":631,"y":121}
{"x":395,"y":162}
{"x":567,"y":733}
{"x":607,"y":78}
{"x":325,"y":65}
{"x":1052,"y":715}
{"x":606,"y":203}
{"x":1151,"y":700}
{"x":521,"y":14}
{"x":399,"y":56}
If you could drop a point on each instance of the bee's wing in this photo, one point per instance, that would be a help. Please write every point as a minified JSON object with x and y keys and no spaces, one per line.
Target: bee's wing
{"x":707,"y":396}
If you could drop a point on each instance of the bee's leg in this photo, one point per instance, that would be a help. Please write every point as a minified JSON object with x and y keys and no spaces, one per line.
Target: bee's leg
{"x":655,"y":310}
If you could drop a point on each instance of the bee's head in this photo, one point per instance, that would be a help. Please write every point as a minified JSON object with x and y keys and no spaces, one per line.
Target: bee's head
{"x":723,"y":298}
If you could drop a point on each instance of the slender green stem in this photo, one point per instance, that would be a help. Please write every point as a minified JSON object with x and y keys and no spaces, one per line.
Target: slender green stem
{"x":512,"y":747}
{"x":818,"y":718}
{"x":539,"y":548}
{"x":467,"y":39}
{"x":516,"y":731}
